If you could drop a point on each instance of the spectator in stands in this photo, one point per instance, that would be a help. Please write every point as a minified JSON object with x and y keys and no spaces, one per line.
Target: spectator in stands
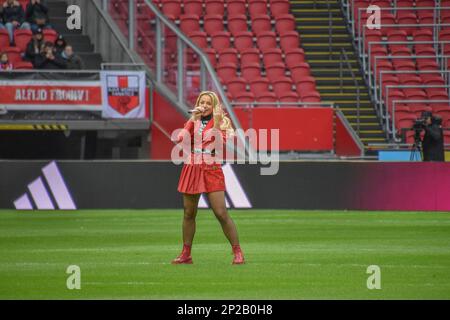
{"x":60,"y":44}
{"x":37,"y":15}
{"x":47,"y":59}
{"x":14,"y":18}
{"x":4,"y":62}
{"x":35,"y":46}
{"x":73,"y":61}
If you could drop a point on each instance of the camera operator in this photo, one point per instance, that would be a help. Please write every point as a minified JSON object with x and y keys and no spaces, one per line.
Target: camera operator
{"x":433,"y":141}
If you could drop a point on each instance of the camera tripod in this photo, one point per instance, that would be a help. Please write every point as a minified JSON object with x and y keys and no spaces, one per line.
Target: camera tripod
{"x":416,"y":150}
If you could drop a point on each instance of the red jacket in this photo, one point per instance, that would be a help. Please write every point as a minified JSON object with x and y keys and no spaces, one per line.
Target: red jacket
{"x":202,"y":143}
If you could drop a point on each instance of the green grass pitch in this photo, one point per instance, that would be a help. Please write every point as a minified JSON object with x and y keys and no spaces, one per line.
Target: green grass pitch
{"x":126,"y":254}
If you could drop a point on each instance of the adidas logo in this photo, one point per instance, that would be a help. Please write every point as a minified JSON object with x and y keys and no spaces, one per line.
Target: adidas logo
{"x":42,"y":199}
{"x":235,"y":192}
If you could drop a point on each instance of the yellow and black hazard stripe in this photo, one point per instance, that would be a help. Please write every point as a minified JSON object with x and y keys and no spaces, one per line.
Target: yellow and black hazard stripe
{"x":29,"y":127}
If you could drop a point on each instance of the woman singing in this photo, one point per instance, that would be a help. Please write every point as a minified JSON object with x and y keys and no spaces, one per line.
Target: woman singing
{"x":199,"y":176}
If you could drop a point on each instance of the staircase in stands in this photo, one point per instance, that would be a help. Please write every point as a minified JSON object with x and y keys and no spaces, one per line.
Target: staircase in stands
{"x":313,"y":23}
{"x":81,"y":43}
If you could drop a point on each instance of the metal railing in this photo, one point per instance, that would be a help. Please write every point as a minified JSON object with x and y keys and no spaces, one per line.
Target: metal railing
{"x":344,"y":59}
{"x":378,"y":91}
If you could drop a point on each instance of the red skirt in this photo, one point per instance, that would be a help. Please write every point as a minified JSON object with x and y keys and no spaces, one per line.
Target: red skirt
{"x":201,"y":178}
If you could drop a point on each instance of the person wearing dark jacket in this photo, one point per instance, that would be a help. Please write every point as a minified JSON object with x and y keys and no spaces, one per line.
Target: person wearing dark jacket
{"x":14,"y":18}
{"x":73,"y":61}
{"x":35,"y":46}
{"x":36,"y":15}
{"x":433,"y":141}
{"x":47,"y":59}
{"x":60,"y":44}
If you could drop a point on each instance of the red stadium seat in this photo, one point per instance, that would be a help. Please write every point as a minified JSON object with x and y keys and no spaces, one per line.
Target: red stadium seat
{"x":235,"y":7}
{"x":23,"y":65}
{"x":271,"y":56}
{"x":251,"y":71}
{"x":432,"y":79}
{"x":50,"y":35}
{"x":382,"y":65}
{"x":211,"y":55}
{"x":249,"y":55}
{"x":13,"y":54}
{"x":433,"y":92}
{"x":266,"y":40}
{"x":228,"y":55}
{"x":215,"y":7}
{"x":427,"y":64}
{"x":220,"y":40}
{"x":281,"y":85}
{"x":268,"y":99}
{"x":4,"y":38}
{"x":275,"y":70}
{"x":426,"y":3}
{"x":444,"y":35}
{"x":410,"y":79}
{"x":199,"y":38}
{"x":300,"y":71}
{"x":289,"y":39}
{"x":310,"y":97}
{"x":289,"y":96}
{"x":305,"y":85}
{"x":279,"y":7}
{"x":404,"y":65}
{"x":388,"y":80}
{"x":424,"y":50}
{"x":284,"y":23}
{"x":259,"y":85}
{"x":409,"y":21}
{"x":442,"y":111}
{"x":294,"y":56}
{"x":261,"y":24}
{"x":423,"y":35}
{"x":387,"y":23}
{"x":213,"y":23}
{"x":393,"y":96}
{"x":257,"y":7}
{"x":381,"y":3}
{"x":415,"y":94}
{"x":376,"y":52}
{"x":244,"y":98}
{"x":243,"y":40}
{"x":236,"y":85}
{"x":172,"y":7}
{"x":406,"y":122}
{"x":21,"y":38}
{"x":193,"y":7}
{"x":237,"y":24}
{"x":372,"y":36}
{"x":397,"y":36}
{"x":189,"y":22}
{"x":226,"y":70}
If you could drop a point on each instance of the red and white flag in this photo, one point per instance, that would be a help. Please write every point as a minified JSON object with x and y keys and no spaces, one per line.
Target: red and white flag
{"x":123,"y":94}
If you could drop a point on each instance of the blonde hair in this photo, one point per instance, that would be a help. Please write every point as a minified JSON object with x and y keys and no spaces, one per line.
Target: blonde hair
{"x":225,"y":124}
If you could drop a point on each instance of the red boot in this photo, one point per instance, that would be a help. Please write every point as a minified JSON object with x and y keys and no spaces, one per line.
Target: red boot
{"x":184,"y":257}
{"x":238,"y":255}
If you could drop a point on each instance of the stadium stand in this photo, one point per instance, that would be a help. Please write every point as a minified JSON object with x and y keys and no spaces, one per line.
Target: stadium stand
{"x":406,"y":60}
{"x":325,"y":33}
{"x":57,"y":17}
{"x":246,"y":41}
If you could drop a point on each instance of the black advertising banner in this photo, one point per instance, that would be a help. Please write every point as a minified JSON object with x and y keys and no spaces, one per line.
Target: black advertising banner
{"x":296,"y":185}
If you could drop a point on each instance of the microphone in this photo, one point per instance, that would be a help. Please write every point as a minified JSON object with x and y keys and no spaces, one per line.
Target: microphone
{"x":194,"y":110}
